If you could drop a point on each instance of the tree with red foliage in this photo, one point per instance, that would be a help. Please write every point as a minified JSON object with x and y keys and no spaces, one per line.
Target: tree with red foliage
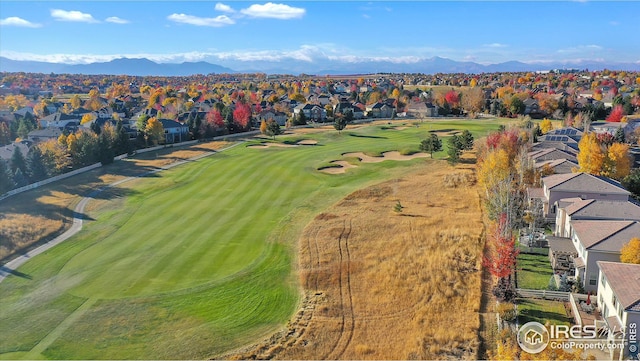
{"x":242,"y":115}
{"x":452,"y":98}
{"x":214,"y":118}
{"x":616,"y":114}
{"x":501,"y":258}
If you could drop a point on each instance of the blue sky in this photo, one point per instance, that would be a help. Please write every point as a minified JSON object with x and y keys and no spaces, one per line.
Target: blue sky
{"x":402,"y":31}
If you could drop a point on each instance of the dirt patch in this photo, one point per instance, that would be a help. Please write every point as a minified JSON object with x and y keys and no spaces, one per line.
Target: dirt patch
{"x":342,"y":167}
{"x":384,"y":285}
{"x":393,"y":155}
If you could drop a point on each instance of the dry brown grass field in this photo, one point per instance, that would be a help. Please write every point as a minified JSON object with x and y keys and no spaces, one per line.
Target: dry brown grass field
{"x":34,"y":217}
{"x":381,"y":284}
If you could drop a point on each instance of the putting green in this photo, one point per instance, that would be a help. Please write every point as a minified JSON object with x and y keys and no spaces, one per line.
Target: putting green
{"x":196,"y":260}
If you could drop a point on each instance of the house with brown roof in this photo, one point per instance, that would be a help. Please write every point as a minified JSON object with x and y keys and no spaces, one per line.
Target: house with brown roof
{"x":574,"y":209}
{"x":619,"y":304}
{"x":580,"y":185}
{"x":599,"y":241}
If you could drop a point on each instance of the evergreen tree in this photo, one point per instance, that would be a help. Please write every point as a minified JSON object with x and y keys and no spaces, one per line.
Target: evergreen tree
{"x":467,"y":140}
{"x":273,"y":129}
{"x":36,"y":169}
{"x":454,"y":151}
{"x":19,"y":179}
{"x":340,"y":123}
{"x":619,"y":137}
{"x":105,"y":149}
{"x":6,"y":178}
{"x":18,"y":161}
{"x":122,"y":144}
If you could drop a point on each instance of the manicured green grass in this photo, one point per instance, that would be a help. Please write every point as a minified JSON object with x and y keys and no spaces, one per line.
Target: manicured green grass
{"x":534,"y":271}
{"x":543,"y":311}
{"x":196,"y":260}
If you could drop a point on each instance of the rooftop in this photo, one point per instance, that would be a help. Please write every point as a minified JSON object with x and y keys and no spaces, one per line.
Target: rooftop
{"x":624,"y":279}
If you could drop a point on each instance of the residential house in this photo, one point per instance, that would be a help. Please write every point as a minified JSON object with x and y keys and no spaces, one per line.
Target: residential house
{"x":599,"y":241}
{"x":531,"y":107}
{"x":278,"y":117}
{"x":7,"y":116}
{"x":380,"y":110}
{"x":547,"y":154}
{"x":607,"y":127}
{"x":422,"y":109}
{"x":574,"y":209}
{"x":60,"y":120}
{"x":42,"y":135}
{"x":174,"y":132}
{"x":311,"y":111}
{"x":619,"y":302}
{"x":581,"y":185}
{"x":559,"y":166}
{"x":6,"y":151}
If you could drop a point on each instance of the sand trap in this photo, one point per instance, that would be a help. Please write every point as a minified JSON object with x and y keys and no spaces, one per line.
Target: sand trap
{"x":394,"y":155}
{"x":446,"y":134}
{"x":344,"y":165}
{"x":307,"y":142}
{"x":269,"y":145}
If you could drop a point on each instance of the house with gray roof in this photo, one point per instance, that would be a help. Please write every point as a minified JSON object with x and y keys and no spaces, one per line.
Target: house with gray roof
{"x":599,"y":241}
{"x":573,"y":209}
{"x":6,"y":151}
{"x":580,"y":185}
{"x":619,"y":302}
{"x":559,"y":166}
{"x":552,"y":154}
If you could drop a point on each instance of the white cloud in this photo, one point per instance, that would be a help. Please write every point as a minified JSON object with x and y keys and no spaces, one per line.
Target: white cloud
{"x":93,"y":58}
{"x":273,"y":11}
{"x":16,"y":21}
{"x":495,"y":45}
{"x":580,"y":49}
{"x":116,"y":20}
{"x":218,"y":21}
{"x":614,"y":23}
{"x":224,"y":8}
{"x":73,"y":15}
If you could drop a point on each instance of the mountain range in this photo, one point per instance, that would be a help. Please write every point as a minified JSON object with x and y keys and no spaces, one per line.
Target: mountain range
{"x":144,"y":67}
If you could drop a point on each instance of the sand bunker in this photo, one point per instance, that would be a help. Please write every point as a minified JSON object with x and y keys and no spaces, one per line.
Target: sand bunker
{"x":394,"y":155}
{"x":269,"y":145}
{"x":307,"y":142}
{"x":343,"y":166}
{"x":446,"y":134}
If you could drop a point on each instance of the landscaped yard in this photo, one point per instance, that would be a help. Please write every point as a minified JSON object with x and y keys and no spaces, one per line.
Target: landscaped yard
{"x":542,"y":311}
{"x":533,"y":271}
{"x":193,"y":261}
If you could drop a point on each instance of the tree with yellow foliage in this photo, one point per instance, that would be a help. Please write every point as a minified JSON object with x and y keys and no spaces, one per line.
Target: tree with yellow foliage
{"x":591,"y":157}
{"x":263,"y":127}
{"x":630,"y":252}
{"x":618,"y":163}
{"x":546,"y":126}
{"x":154,"y":131}
{"x":88,"y":117}
{"x":75,"y":101}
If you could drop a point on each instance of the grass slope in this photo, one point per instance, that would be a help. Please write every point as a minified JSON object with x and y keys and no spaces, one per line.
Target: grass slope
{"x":196,"y":260}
